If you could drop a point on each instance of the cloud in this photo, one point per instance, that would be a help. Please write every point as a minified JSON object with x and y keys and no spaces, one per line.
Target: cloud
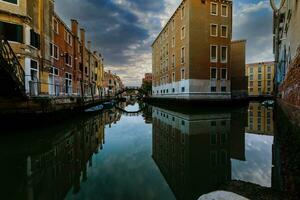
{"x":123,"y":30}
{"x":252,"y":20}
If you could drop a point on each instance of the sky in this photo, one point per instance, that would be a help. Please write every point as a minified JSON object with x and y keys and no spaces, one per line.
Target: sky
{"x":123,"y":30}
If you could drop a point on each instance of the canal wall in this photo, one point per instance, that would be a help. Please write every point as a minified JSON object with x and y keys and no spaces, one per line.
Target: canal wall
{"x":288,"y":140}
{"x":47,"y":105}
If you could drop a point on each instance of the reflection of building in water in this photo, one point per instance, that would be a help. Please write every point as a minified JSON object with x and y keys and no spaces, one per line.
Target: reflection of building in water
{"x":193,"y":151}
{"x":49,"y":167}
{"x":260,"y":119}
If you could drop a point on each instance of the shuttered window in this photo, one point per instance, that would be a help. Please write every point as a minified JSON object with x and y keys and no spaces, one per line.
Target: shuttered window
{"x":34,"y":39}
{"x":11,"y":32}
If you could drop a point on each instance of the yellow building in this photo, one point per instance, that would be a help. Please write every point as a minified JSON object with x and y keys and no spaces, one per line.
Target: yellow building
{"x":260,"y":78}
{"x":260,"y":119}
{"x":26,"y":25}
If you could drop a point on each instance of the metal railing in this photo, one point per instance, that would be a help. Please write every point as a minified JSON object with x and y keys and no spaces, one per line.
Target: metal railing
{"x":10,"y":63}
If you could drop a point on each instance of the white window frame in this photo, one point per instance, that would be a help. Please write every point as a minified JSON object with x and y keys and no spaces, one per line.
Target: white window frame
{"x":67,"y":37}
{"x":221,"y":51}
{"x":226,"y":10}
{"x":221,"y":73}
{"x":182,"y":32}
{"x":52,"y":56}
{"x":70,"y":65}
{"x":226,"y":36}
{"x":211,"y":28}
{"x":211,"y":73}
{"x":182,"y":12}
{"x":211,"y":59}
{"x":182,"y":73}
{"x":182,"y":55}
{"x":211,"y":10}
{"x":57,"y":26}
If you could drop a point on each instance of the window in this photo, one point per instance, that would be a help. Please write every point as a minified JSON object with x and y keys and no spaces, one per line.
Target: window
{"x":183,"y":89}
{"x":251,"y":83}
{"x":173,"y":24}
{"x":259,"y":76}
{"x":182,"y":74}
{"x":259,"y":83}
{"x":251,"y":77}
{"x":182,"y":32}
{"x":55,"y":25}
{"x":213,"y":73}
{"x":224,"y":31}
{"x":269,"y":83}
{"x":54,"y":71}
{"x":68,"y":38}
{"x":11,"y":32}
{"x":214,"y":30}
{"x":173,"y":41}
{"x":224,"y":10}
{"x":34,"y":39}
{"x":213,"y":89}
{"x":251,"y":70}
{"x":223,"y":74}
{"x":213,"y":8}
{"x":54,"y":51}
{"x":224,"y":54}
{"x":173,"y":60}
{"x":182,"y":55}
{"x":269,"y":69}
{"x":68,"y":60}
{"x":182,"y":12}
{"x":11,"y":1}
{"x":223,"y":89}
{"x":213,"y":53}
{"x":269,"y":76}
{"x":173,"y":77}
{"x":259,"y":69}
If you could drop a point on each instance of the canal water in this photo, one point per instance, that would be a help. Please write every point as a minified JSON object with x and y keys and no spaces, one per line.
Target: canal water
{"x":158,"y":153}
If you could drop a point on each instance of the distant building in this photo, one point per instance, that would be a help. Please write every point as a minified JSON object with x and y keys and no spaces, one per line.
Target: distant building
{"x":112,"y":84}
{"x":260,"y":120}
{"x":148,"y":78}
{"x":187,"y":67}
{"x":260,"y":78}
{"x":287,"y":50}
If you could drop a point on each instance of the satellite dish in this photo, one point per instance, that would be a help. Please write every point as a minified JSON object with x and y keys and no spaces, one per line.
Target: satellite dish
{"x":277,"y":4}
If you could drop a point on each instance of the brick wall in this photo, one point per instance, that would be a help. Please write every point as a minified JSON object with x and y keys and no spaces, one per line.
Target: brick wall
{"x":290,"y":88}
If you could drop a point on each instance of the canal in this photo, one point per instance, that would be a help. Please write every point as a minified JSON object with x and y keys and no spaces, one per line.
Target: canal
{"x":159,"y":153}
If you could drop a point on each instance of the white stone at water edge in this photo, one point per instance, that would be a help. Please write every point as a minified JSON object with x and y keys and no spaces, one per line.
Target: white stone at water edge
{"x":222,"y":195}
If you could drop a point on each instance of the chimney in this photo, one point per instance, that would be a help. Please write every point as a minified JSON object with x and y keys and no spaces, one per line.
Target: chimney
{"x":82,"y":36}
{"x":74,"y":27}
{"x":89,"y":45}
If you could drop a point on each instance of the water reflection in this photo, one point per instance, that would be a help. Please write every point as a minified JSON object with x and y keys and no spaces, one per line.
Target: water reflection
{"x":198,"y":152}
{"x":157,"y":154}
{"x":47,"y":166}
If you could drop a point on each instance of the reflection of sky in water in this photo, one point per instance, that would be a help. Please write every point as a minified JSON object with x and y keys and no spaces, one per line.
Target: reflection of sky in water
{"x":124,"y":169}
{"x":258,"y":165}
{"x":132,"y":108}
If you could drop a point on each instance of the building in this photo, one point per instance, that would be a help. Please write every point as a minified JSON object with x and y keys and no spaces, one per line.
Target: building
{"x":287,"y":50}
{"x":27,"y":25}
{"x":260,"y":120}
{"x":239,"y":79}
{"x":185,"y":67}
{"x":56,"y":59}
{"x":148,"y":78}
{"x":112,"y":84}
{"x":260,"y":79}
